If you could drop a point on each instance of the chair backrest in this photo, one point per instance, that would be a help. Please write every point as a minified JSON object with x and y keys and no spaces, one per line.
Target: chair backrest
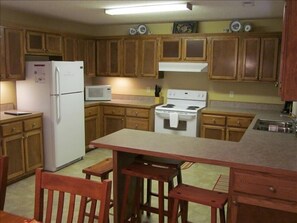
{"x":66,"y":187}
{"x":3,"y":179}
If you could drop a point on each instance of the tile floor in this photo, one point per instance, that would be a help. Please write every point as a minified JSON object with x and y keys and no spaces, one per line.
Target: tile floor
{"x":20,"y":195}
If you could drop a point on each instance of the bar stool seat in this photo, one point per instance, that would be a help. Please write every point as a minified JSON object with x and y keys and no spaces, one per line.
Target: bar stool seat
{"x":143,"y":171}
{"x":183,"y":193}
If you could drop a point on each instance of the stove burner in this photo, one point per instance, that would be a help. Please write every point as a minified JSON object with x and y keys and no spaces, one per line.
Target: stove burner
{"x":192,"y":107}
{"x":168,"y":106}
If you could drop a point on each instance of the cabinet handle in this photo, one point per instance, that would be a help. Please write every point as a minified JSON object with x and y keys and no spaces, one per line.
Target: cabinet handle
{"x":272,"y":189}
{"x":234,"y":202}
{"x":238,"y":122}
{"x":214,"y":121}
{"x":136,"y":126}
{"x":136,"y":113}
{"x":13,"y":129}
{"x":34,"y":124}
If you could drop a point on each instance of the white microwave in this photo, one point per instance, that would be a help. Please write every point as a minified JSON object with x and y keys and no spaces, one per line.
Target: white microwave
{"x":98,"y":93}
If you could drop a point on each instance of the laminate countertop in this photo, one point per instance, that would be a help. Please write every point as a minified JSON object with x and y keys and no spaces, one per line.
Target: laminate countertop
{"x":258,"y":150}
{"x":4,"y":118}
{"x":125,"y":103}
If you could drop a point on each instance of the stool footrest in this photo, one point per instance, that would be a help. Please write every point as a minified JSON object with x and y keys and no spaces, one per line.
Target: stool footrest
{"x":99,"y":169}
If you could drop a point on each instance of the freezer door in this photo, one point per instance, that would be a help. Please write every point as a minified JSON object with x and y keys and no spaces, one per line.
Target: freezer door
{"x":67,"y":77}
{"x":68,"y":128}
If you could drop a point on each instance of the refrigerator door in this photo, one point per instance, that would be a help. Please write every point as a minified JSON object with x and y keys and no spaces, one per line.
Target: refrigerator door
{"x":67,"y":77}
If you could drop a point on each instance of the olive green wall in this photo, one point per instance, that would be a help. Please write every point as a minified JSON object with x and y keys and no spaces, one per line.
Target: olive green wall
{"x":218,"y":90}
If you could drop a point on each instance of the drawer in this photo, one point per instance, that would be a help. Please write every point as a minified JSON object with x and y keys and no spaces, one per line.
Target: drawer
{"x":11,"y":128}
{"x":137,"y":112}
{"x":137,"y":123}
{"x":265,"y":185}
{"x":110,"y":110}
{"x":242,"y":122}
{"x":91,"y":111}
{"x":213,"y":119}
{"x":34,"y":123}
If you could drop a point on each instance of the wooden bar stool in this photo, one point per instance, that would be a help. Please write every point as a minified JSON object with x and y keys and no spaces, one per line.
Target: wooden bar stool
{"x":143,"y":171}
{"x":183,"y":193}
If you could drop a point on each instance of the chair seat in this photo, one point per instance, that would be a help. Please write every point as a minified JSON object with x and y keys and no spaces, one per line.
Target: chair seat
{"x":198,"y":195}
{"x":102,"y":168}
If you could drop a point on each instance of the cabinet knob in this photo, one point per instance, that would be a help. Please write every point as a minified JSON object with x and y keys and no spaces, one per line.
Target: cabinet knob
{"x":136,"y":113}
{"x":272,"y":189}
{"x":234,"y":202}
{"x":13,"y":129}
{"x":238,"y":122}
{"x":34,"y":124}
{"x":214,"y":121}
{"x":136,"y":126}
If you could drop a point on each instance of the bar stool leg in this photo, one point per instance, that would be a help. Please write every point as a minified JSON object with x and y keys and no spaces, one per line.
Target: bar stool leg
{"x":138,"y":199}
{"x":222,"y":215}
{"x":213,"y":218}
{"x":149,"y":195}
{"x":184,"y":211}
{"x":174,"y":211}
{"x":161,"y":201}
{"x":125,"y":198}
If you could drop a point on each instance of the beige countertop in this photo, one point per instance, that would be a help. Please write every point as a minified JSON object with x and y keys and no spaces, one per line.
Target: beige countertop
{"x":4,"y":118}
{"x":124,"y":102}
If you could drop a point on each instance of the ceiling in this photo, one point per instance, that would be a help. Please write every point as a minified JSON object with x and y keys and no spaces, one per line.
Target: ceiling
{"x":92,"y":11}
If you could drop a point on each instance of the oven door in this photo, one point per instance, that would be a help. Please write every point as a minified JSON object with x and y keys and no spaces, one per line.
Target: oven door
{"x":186,"y":126}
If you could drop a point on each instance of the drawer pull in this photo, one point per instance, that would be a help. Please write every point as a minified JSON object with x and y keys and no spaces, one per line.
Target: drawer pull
{"x":13,"y":129}
{"x":234,"y":202}
{"x":214,"y":121}
{"x":238,"y":122}
{"x":272,"y":189}
{"x":34,"y":124}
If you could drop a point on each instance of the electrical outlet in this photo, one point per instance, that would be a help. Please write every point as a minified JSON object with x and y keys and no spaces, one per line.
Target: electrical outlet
{"x":231,"y":94}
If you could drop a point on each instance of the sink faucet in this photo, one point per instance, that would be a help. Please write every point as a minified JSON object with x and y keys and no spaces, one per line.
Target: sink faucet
{"x":293,"y":118}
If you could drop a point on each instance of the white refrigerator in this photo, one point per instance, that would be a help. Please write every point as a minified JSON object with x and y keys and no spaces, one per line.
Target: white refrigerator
{"x":56,"y":89}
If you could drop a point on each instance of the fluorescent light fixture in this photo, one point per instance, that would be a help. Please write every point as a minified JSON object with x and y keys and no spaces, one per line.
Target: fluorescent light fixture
{"x":149,"y":9}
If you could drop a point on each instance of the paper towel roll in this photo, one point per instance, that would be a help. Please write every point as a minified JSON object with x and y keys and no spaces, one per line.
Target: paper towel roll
{"x":294,"y":108}
{"x":173,"y":119}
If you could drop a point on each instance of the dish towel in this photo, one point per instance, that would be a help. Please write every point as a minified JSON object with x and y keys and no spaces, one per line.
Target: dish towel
{"x":173,"y":119}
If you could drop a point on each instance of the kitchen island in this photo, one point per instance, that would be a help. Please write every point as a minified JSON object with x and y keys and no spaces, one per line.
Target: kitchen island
{"x":263,"y":166}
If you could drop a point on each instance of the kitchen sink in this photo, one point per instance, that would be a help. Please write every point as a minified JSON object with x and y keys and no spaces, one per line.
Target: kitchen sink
{"x":274,"y":126}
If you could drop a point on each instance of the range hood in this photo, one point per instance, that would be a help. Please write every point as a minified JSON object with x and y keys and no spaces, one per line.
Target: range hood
{"x":182,"y":67}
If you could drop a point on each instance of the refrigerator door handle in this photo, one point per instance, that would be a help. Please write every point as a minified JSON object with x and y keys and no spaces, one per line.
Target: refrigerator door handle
{"x":58,"y":94}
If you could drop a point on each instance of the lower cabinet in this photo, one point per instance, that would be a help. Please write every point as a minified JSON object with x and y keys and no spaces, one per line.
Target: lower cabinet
{"x":260,"y":197}
{"x":22,"y":142}
{"x":92,"y":124}
{"x":230,"y":127}
{"x":119,"y":117}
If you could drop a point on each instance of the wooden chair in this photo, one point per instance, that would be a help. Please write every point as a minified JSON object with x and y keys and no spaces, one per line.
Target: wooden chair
{"x":63,"y":186}
{"x":183,"y":193}
{"x":3,"y":179}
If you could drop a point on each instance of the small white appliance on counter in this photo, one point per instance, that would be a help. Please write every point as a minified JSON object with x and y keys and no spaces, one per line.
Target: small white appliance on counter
{"x":98,"y":93}
{"x":56,"y":88}
{"x":180,"y":116}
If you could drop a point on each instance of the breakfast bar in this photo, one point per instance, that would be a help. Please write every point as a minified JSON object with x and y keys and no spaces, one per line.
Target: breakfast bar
{"x":263,"y":170}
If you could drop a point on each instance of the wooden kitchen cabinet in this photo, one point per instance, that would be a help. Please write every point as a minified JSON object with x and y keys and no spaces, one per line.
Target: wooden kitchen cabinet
{"x":70,"y":49}
{"x":113,"y":119}
{"x":92,"y":124}
{"x":109,"y":56}
{"x":260,"y":58}
{"x":261,"y":197}
{"x":224,"y":126}
{"x":183,"y":49}
{"x":130,"y":57}
{"x":90,"y":66}
{"x":43,"y":43}
{"x":288,"y":81}
{"x":223,"y":57}
{"x":138,"y":118}
{"x":22,"y":142}
{"x":12,"y":53}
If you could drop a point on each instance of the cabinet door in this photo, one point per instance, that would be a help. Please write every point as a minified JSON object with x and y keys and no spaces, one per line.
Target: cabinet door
{"x":35,"y":42}
{"x":223,"y":58}
{"x":53,"y":43}
{"x":70,"y":49}
{"x":81,"y":50}
{"x":234,"y":134}
{"x":171,"y":49}
{"x":250,"y":59}
{"x":91,"y":58}
{"x":114,"y":57}
{"x":130,"y":61}
{"x":91,"y":129}
{"x":112,"y":124}
{"x":269,"y":59}
{"x":194,"y":49}
{"x":2,"y":55}
{"x":213,"y":132}
{"x":149,"y":55}
{"x":289,"y":49}
{"x":33,"y":150}
{"x":13,"y":147}
{"x":101,"y":60}
{"x":14,"y":53}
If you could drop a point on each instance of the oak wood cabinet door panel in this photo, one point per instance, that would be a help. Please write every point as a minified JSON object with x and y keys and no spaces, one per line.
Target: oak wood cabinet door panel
{"x":70,"y":49}
{"x":81,"y":50}
{"x":130,"y":57}
{"x":14,"y":54}
{"x":2,"y":54}
{"x":137,"y":123}
{"x":269,"y":59}
{"x":53,"y":43}
{"x":114,"y":57}
{"x":101,"y":60}
{"x":193,"y":49}
{"x":213,"y":132}
{"x":234,"y":134}
{"x":223,"y":58}
{"x":33,"y":150}
{"x":149,"y":54}
{"x":112,"y":123}
{"x":35,"y":42}
{"x":91,"y":58}
{"x":171,"y":49}
{"x":92,"y":125}
{"x":289,"y":49}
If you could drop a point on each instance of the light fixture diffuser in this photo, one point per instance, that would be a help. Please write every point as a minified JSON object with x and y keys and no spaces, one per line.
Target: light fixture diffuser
{"x":149,"y":9}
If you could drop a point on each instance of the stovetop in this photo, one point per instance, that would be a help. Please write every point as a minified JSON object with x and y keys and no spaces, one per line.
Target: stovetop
{"x":179,"y":108}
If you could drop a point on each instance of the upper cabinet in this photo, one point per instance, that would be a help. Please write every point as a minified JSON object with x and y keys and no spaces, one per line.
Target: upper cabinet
{"x":183,"y":48}
{"x":108,"y":55}
{"x":260,"y":57}
{"x":289,"y":48}
{"x":223,"y":58}
{"x":70,"y":49}
{"x":43,"y":43}
{"x":12,"y":54}
{"x":130,"y":57}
